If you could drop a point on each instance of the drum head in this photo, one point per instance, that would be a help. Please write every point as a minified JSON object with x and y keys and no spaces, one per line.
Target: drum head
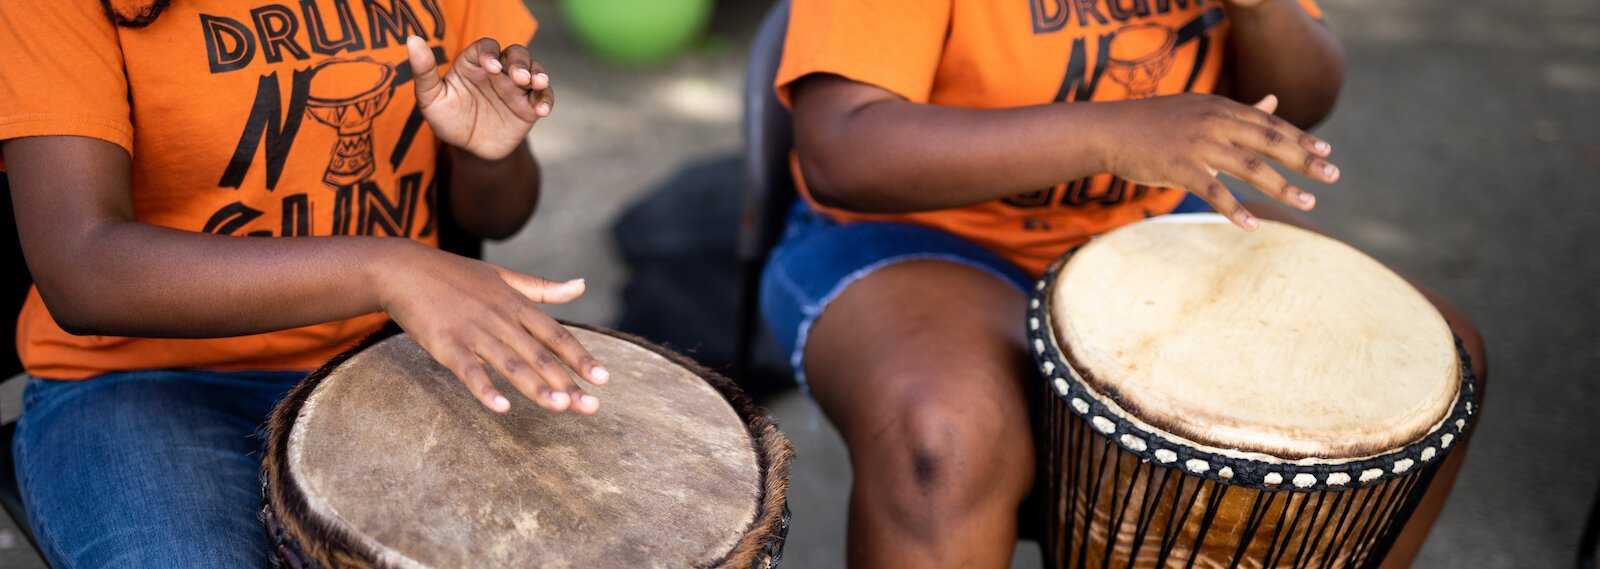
{"x":1280,"y":342}
{"x":390,"y":449}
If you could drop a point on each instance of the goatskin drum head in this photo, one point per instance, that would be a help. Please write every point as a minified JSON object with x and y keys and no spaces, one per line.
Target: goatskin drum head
{"x":393,"y":449}
{"x":1280,"y":342}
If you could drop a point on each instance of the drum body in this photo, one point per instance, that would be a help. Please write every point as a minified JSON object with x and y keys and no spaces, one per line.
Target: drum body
{"x":1215,"y":398}
{"x":383,"y":459}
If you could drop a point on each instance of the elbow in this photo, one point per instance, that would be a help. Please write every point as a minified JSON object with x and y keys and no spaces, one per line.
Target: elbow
{"x":72,"y":310}
{"x":493,"y":225}
{"x":500,"y":231}
{"x":834,"y":181}
{"x":1317,"y":108}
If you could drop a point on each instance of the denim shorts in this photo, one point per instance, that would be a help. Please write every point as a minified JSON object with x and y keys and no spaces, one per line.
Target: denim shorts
{"x":818,"y":258}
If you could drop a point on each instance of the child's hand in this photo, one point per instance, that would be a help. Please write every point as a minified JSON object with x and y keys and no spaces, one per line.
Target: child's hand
{"x":469,"y":314}
{"x":487,"y":102}
{"x":1184,"y":140}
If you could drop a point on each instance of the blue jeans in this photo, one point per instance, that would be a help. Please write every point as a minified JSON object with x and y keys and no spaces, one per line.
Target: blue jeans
{"x":147,"y":468}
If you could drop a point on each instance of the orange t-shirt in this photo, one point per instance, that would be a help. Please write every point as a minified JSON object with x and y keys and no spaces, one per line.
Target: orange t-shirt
{"x":260,"y":118}
{"x":988,"y":54}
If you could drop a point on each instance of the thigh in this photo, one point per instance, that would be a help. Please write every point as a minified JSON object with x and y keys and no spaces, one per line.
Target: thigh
{"x":145,"y":469}
{"x":819,"y":260}
{"x":928,"y":335}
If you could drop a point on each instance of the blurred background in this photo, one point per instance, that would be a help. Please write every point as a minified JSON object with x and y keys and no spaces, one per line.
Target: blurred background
{"x":1468,"y":136}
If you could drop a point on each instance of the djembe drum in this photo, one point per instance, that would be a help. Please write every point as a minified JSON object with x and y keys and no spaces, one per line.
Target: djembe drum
{"x":383,"y":459}
{"x":1217,"y":398}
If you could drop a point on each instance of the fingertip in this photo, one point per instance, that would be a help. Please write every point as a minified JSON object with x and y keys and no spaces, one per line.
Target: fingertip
{"x":544,"y":109}
{"x":1249,"y":223}
{"x":598,"y":375}
{"x":587,"y":404}
{"x":1268,"y":103}
{"x":540,"y":81}
{"x":498,"y":403}
{"x":1307,"y":201}
{"x":559,"y":400}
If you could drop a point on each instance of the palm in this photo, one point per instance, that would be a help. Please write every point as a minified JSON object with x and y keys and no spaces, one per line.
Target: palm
{"x":487,"y":102}
{"x":466,"y":115}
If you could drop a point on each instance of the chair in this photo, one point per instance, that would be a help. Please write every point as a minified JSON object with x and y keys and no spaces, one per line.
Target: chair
{"x":769,"y":189}
{"x":13,"y":291}
{"x":1591,"y":535}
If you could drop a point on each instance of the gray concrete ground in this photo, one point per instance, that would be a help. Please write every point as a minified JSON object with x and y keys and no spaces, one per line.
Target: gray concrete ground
{"x":1469,"y":138}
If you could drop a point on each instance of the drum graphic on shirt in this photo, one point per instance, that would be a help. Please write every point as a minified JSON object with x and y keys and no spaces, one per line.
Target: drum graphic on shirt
{"x":347,"y":94}
{"x":1140,"y":56}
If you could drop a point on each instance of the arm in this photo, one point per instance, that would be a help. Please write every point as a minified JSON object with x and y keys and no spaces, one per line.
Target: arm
{"x":102,"y":273}
{"x":1280,"y":49}
{"x":99,"y":271}
{"x":493,"y":199}
{"x":864,"y":148}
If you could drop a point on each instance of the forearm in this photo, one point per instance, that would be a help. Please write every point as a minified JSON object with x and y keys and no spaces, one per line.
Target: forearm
{"x":1280,"y":49}
{"x":896,"y":156}
{"x":493,"y":198}
{"x":127,"y":278}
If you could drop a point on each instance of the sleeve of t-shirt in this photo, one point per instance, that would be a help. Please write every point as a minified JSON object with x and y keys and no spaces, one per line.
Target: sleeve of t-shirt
{"x":61,"y":73}
{"x":892,"y":44}
{"x":506,"y":21}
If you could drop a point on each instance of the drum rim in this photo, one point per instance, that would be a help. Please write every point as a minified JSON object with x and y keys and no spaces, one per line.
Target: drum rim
{"x":285,"y":509}
{"x":1248,"y":469}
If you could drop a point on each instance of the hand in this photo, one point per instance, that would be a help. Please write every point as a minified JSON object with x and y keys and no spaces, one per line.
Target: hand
{"x":1184,"y":140}
{"x":469,"y":314}
{"x":487,"y":102}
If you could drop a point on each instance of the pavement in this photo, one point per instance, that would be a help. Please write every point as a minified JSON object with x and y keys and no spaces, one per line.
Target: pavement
{"x":1469,"y":140}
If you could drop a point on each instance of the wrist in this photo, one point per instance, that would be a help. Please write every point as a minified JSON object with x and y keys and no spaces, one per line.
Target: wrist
{"x":382,"y":265}
{"x":1106,"y":133}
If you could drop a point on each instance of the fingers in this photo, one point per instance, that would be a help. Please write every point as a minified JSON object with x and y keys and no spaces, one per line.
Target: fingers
{"x":542,"y":97}
{"x":524,"y":87}
{"x":1209,"y":188}
{"x":535,"y":347}
{"x":1283,"y":142}
{"x":560,"y":340}
{"x":545,"y":349}
{"x":424,"y":70}
{"x":480,"y":59}
{"x":518,"y":65}
{"x":521,"y":368}
{"x":469,"y":370}
{"x":1267,"y":104}
{"x":1252,"y":168}
{"x":542,"y":290}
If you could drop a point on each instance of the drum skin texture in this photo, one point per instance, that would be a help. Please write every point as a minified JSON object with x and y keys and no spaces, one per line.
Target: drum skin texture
{"x":383,"y":459}
{"x":1217,"y":398}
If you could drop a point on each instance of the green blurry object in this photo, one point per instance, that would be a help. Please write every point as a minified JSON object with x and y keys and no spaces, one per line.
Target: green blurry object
{"x":637,"y":32}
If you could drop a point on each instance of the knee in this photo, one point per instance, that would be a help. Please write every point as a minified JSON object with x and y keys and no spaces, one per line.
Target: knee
{"x":951,"y":452}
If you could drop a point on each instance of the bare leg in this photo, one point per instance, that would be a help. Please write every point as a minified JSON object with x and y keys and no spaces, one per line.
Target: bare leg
{"x":1415,"y":533}
{"x":922,"y":366}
